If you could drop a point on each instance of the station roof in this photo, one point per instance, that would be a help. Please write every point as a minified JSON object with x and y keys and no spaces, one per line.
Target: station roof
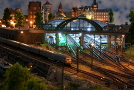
{"x":76,"y":24}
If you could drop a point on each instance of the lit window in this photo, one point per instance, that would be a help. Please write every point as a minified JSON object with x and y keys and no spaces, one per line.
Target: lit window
{"x":34,"y":8}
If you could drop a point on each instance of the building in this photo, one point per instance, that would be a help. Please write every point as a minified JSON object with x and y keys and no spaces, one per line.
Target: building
{"x":12,"y":15}
{"x":24,"y":35}
{"x":62,"y":15}
{"x":33,"y":7}
{"x":91,"y":12}
{"x":46,"y":8}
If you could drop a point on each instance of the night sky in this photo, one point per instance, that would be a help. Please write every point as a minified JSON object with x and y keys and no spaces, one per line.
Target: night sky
{"x":121,"y":8}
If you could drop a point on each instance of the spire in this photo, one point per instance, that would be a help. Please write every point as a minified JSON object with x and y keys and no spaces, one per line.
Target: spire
{"x":60,"y":7}
{"x":95,"y":5}
{"x":94,"y":2}
{"x":47,"y":3}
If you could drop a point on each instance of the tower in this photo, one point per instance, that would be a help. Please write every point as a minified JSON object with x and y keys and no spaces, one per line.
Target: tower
{"x":46,"y":10}
{"x":95,"y":5}
{"x":33,"y":7}
{"x":60,"y":8}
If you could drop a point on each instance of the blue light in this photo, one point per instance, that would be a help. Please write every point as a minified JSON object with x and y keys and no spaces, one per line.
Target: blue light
{"x":89,"y":29}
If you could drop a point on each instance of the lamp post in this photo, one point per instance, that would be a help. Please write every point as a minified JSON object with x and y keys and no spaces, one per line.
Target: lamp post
{"x":62,"y":77}
{"x":100,"y":44}
{"x":129,"y":50}
{"x":123,"y":43}
{"x":92,"y":46}
{"x":31,"y":24}
{"x":77,"y":59}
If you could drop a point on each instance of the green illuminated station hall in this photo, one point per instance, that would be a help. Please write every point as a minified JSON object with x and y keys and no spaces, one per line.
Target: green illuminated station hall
{"x":81,"y":32}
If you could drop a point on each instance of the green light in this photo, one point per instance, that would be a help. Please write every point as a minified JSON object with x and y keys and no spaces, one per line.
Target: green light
{"x":30,"y":66}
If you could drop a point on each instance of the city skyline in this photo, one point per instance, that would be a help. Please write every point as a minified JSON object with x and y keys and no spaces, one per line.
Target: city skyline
{"x":121,"y":8}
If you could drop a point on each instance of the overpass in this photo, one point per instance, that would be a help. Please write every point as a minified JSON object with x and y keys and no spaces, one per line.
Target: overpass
{"x":84,"y":26}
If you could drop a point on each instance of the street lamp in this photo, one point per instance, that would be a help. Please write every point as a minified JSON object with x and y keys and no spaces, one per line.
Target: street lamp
{"x":13,"y":24}
{"x":100,"y":44}
{"x":123,"y":41}
{"x":77,"y":48}
{"x":129,"y":50}
{"x":31,"y":24}
{"x":92,"y":46}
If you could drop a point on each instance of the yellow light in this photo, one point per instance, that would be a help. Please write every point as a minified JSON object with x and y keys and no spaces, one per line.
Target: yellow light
{"x":11,"y":22}
{"x":21,"y":32}
{"x":92,"y":44}
{"x":31,"y":22}
{"x":3,"y":25}
{"x":123,"y":35}
{"x":89,"y":16}
{"x":48,"y":36}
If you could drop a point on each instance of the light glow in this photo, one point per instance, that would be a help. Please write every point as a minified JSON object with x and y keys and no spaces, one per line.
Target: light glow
{"x":92,"y":44}
{"x":21,"y":32}
{"x":3,"y":25}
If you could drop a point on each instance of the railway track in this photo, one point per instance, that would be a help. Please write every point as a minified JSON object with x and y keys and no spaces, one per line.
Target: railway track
{"x":115,"y":80}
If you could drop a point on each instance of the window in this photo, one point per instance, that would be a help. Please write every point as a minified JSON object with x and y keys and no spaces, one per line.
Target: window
{"x":34,"y":8}
{"x":30,"y":16}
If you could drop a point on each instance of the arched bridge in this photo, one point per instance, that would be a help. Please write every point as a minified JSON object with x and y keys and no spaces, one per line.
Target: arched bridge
{"x":80,"y":24}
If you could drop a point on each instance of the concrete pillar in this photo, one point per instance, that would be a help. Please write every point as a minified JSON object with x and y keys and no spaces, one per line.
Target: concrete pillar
{"x":66,"y":39}
{"x":109,"y":41}
{"x":82,"y":39}
{"x":57,"y":39}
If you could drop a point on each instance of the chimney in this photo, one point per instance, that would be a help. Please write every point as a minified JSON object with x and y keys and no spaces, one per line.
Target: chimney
{"x":126,"y":23}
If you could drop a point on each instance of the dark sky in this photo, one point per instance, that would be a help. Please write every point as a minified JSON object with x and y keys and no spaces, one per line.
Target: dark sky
{"x":121,"y":7}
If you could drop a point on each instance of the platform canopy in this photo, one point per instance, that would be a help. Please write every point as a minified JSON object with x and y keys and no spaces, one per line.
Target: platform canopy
{"x":82,"y":24}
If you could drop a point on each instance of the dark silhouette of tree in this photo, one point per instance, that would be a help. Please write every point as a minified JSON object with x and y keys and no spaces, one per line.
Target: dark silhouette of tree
{"x":50,"y":16}
{"x":16,"y":78}
{"x":35,"y":84}
{"x":131,"y":30}
{"x":111,"y":15}
{"x":19,"y":78}
{"x":38,"y":19}
{"x":6,"y":17}
{"x":19,"y":17}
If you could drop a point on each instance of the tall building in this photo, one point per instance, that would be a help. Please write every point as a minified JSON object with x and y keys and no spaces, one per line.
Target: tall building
{"x":60,"y":14}
{"x":60,"y":8}
{"x":33,"y":7}
{"x":95,"y":5}
{"x":46,"y":8}
{"x":12,"y":15}
{"x":91,"y":12}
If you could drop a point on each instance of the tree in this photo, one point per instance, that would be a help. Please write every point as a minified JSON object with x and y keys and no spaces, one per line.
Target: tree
{"x":6,"y":17}
{"x":19,"y":17}
{"x":131,"y":30}
{"x":111,"y":16}
{"x":35,"y":84}
{"x":50,"y":16}
{"x":16,"y":78}
{"x":98,"y":87}
{"x":38,"y":19}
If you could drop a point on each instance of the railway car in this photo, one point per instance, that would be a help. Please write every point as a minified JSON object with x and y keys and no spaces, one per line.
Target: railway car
{"x":24,"y":47}
{"x":46,"y":53}
{"x":34,"y":50}
{"x":13,"y":43}
{"x":56,"y":56}
{"x":4,"y":66}
{"x":3,"y":40}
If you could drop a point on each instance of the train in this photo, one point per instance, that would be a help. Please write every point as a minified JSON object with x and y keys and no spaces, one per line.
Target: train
{"x":4,"y":66}
{"x":65,"y":59}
